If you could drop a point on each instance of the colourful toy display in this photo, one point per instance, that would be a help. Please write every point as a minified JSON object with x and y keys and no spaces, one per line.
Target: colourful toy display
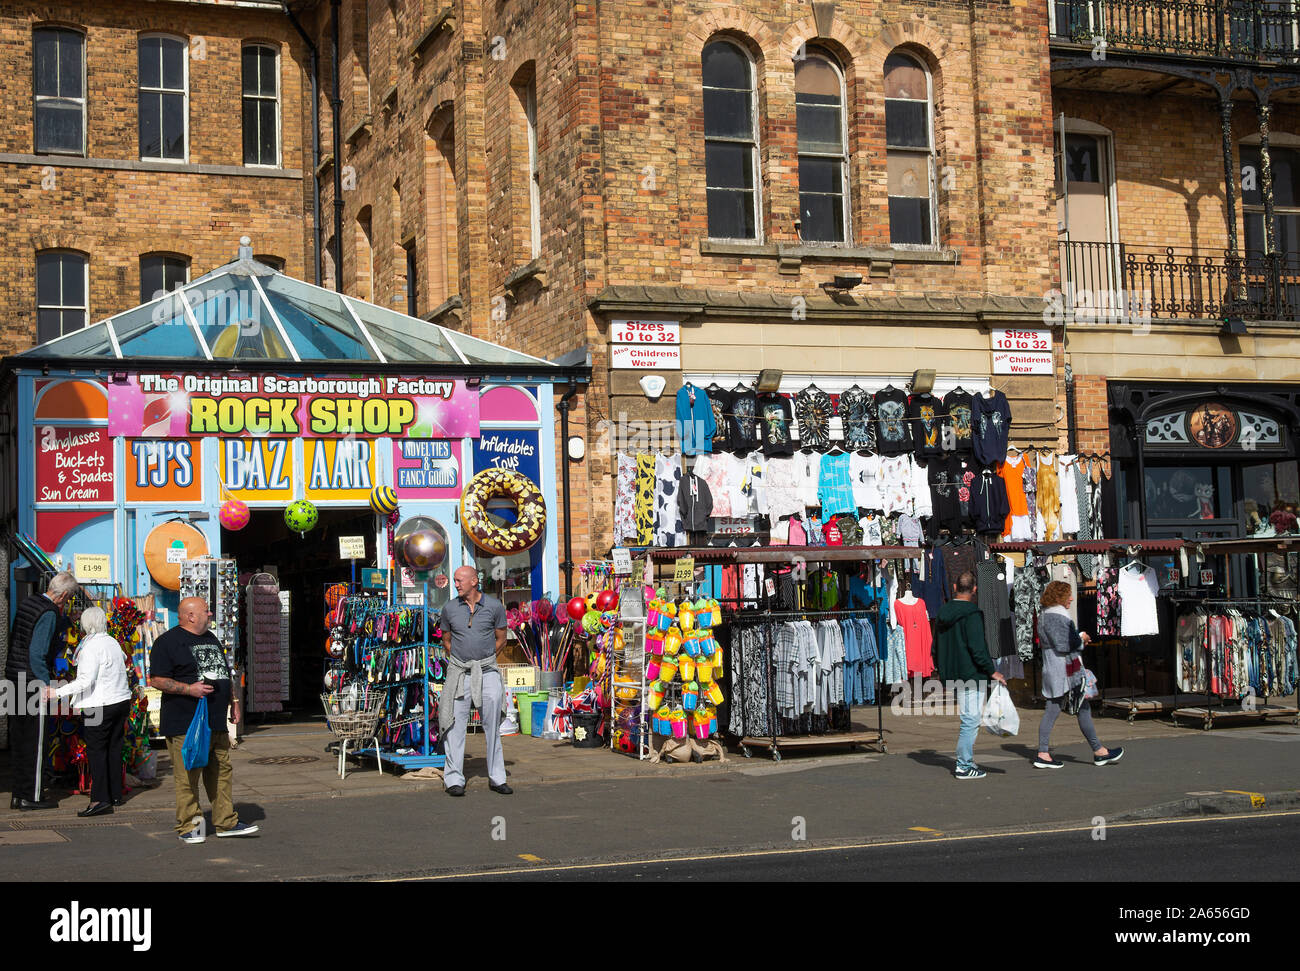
{"x":680,"y":649}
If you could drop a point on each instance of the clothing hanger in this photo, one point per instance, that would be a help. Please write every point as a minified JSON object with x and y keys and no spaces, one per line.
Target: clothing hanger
{"x":957,"y":389}
{"x":888,"y":387}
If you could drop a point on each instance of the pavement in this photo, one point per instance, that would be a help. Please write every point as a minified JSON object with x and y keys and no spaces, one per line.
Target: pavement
{"x":276,"y":762}
{"x":591,"y":807}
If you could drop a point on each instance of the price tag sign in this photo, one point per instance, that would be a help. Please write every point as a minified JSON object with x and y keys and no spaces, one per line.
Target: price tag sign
{"x":684,"y":569}
{"x":176,"y":554}
{"x":1207,"y":578}
{"x":622,"y":561}
{"x":92,"y":568}
{"x":352,"y":547}
{"x":521,"y":676}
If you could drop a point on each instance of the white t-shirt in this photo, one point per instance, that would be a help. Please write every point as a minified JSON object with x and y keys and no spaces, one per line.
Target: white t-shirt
{"x":864,"y":472}
{"x":1137,"y":602}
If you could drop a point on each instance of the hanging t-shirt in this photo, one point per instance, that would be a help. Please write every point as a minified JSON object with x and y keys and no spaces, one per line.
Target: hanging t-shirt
{"x":812,"y":409}
{"x":990,"y":427}
{"x":714,"y":470}
{"x":895,"y":483}
{"x":808,"y":468}
{"x":864,"y":473}
{"x":924,"y":412}
{"x":893,"y":437}
{"x":835,"y":489}
{"x":957,"y":433}
{"x":775,"y":418}
{"x":695,"y":502}
{"x":784,"y":496}
{"x":720,"y":402}
{"x":921,"y":504}
{"x":858,"y":416}
{"x":945,"y":479}
{"x":871,"y":531}
{"x":1137,"y":602}
{"x":743,"y":423}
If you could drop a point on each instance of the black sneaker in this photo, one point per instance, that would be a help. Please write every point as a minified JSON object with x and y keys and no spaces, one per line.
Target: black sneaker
{"x":1048,"y":763}
{"x":975,"y":773}
{"x":1114,"y":755}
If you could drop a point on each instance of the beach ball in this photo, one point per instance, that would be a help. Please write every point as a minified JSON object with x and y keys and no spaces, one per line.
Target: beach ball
{"x":421,"y":551}
{"x":577,"y":607}
{"x":233,"y":515}
{"x":383,"y":500}
{"x":301,"y":516}
{"x":606,"y":600}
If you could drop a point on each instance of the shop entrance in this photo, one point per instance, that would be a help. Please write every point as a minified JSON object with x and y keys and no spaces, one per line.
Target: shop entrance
{"x":304,"y":566}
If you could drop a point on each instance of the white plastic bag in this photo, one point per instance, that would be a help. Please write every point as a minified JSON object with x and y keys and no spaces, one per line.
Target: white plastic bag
{"x":1000,"y":716}
{"x":508,"y":724}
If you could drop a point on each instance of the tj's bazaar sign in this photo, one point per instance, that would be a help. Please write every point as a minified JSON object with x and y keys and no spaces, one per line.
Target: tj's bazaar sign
{"x":154,"y":405}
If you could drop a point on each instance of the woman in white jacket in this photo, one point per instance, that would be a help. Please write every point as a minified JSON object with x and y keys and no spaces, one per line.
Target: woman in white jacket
{"x":103,"y":694}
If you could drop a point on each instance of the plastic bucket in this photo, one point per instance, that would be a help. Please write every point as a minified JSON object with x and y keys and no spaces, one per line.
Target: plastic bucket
{"x":539,"y":716}
{"x":525,"y":701}
{"x":584,"y":730}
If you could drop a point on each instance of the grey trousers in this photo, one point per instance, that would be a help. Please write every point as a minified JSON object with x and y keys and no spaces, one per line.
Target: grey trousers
{"x":453,"y":772}
{"x":1049,"y":720}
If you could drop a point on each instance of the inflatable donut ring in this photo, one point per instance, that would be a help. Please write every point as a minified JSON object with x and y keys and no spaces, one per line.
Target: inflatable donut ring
{"x":490,"y":536}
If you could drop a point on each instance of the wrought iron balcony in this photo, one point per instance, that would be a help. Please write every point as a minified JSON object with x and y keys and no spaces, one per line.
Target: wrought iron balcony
{"x":1115,"y":283}
{"x":1256,"y":30}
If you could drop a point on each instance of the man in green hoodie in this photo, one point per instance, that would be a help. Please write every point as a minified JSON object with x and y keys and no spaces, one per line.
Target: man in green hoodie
{"x":964,"y":664}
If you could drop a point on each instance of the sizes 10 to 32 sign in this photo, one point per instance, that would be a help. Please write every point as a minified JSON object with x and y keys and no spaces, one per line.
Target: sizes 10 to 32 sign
{"x":645,"y":344}
{"x":1022,"y":351}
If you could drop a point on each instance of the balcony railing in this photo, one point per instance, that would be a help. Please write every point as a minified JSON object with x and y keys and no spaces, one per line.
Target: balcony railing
{"x":1115,"y":283}
{"x":1237,"y":29}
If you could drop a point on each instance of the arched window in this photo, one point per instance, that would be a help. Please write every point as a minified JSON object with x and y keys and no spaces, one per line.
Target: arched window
{"x":909,"y":143}
{"x":365,"y":258}
{"x":730,"y":142}
{"x":525,"y":166}
{"x":59,"y":90}
{"x":61,"y":288}
{"x":261,"y":105}
{"x":823,"y":150}
{"x":164,"y":98}
{"x":162,"y":273}
{"x":442,"y":233}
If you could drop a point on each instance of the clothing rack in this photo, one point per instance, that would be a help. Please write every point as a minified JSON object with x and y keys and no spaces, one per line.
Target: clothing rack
{"x":1207,"y":714}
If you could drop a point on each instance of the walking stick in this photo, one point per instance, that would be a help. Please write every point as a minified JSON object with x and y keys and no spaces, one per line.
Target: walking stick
{"x":40,"y":752}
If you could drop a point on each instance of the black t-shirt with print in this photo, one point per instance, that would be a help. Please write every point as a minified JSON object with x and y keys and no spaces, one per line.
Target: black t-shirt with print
{"x":893,"y":436}
{"x":185,"y":657}
{"x":775,"y":418}
{"x":957,"y":433}
{"x":720,"y":400}
{"x":858,"y":416}
{"x":926,"y":418}
{"x":950,"y":494}
{"x":812,"y":409}
{"x":743,"y":423}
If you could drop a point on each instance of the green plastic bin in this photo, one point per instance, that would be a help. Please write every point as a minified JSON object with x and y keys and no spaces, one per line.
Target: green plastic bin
{"x":524,"y":701}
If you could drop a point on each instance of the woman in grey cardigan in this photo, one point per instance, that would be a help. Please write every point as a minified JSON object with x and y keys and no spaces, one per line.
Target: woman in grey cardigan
{"x":1062,"y":672}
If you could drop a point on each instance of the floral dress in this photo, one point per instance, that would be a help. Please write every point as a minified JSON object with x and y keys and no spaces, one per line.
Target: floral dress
{"x":1108,"y":602}
{"x":625,"y":499}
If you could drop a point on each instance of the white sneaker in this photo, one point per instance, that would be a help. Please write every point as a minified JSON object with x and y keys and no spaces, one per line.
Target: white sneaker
{"x":239,"y":829}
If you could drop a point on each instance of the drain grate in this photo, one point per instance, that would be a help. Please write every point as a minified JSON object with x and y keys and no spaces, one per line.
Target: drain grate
{"x":284,"y":760}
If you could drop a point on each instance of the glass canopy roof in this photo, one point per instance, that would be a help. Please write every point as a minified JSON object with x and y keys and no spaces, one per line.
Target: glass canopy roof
{"x":247,"y":310}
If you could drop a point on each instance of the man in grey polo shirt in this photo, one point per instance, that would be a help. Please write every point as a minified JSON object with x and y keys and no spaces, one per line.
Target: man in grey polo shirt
{"x":473,"y":630}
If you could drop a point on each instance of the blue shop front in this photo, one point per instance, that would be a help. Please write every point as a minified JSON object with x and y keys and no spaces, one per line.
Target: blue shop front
{"x":255,"y":429}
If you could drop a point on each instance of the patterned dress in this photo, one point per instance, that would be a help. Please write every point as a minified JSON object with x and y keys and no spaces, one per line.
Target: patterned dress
{"x":625,"y":499}
{"x":1108,"y":602}
{"x":1027,"y":591}
{"x":669,"y":528}
{"x":645,"y":498}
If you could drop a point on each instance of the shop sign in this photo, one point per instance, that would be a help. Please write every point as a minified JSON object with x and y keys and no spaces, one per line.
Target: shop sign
{"x":352,"y":547}
{"x":1215,"y":425}
{"x":648,"y":357}
{"x":623,"y":331}
{"x":257,"y":470}
{"x":175,"y":405}
{"x":339,"y":469}
{"x":513,"y":450}
{"x":73,"y":464}
{"x":164,"y":470}
{"x":92,"y":568}
{"x":1022,"y":351}
{"x":426,"y":468}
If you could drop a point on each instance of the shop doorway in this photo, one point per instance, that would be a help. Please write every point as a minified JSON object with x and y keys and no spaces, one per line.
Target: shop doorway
{"x":304,"y":566}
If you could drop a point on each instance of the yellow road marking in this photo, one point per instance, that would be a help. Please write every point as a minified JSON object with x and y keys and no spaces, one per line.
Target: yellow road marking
{"x":1256,"y":799}
{"x":750,"y":854}
{"x":530,"y":858}
{"x":922,"y":829}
